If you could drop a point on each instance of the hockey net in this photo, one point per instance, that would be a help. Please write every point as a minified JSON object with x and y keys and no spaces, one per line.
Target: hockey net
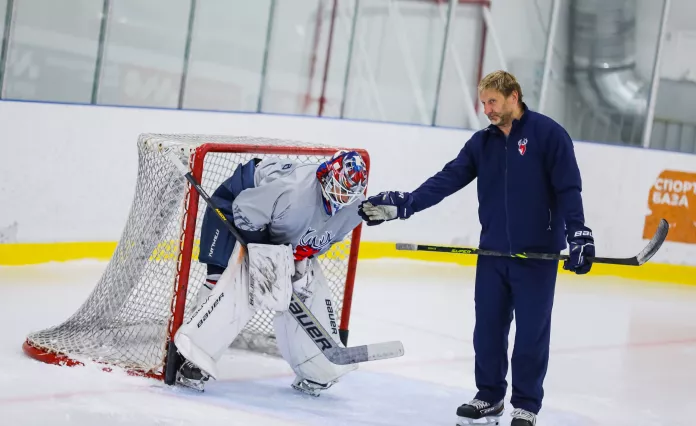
{"x":148,"y":286}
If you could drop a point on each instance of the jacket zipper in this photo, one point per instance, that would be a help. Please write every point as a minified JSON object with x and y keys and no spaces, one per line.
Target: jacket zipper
{"x":507,"y":217}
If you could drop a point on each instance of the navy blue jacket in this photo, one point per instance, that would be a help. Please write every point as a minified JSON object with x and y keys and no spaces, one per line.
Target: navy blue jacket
{"x":528,"y":185}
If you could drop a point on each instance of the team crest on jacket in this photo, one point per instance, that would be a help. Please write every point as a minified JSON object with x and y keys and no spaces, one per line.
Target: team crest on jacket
{"x":522,"y":146}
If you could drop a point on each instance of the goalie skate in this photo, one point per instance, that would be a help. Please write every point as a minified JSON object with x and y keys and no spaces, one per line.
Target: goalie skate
{"x":191,"y":376}
{"x":477,"y":412}
{"x":309,"y":387}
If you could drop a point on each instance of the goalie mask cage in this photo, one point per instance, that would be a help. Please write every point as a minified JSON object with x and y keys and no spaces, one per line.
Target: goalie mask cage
{"x":148,"y":287}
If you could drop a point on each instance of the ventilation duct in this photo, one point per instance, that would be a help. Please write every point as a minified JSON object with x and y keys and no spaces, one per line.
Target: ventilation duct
{"x":603,"y":50}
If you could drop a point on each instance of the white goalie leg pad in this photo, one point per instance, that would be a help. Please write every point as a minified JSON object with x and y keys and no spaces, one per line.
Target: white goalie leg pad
{"x":204,"y":337}
{"x":296,"y":347}
{"x":270,"y":270}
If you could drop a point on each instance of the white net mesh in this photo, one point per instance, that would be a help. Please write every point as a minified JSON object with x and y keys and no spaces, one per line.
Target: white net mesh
{"x":126,"y":319}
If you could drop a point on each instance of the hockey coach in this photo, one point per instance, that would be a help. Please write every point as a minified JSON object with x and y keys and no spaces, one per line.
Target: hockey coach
{"x":529,"y":195}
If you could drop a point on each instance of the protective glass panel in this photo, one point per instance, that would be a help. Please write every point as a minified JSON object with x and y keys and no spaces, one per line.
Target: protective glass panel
{"x":457,"y":105}
{"x":602,"y":68}
{"x":144,"y":53}
{"x":395,"y":61}
{"x":297,"y":55}
{"x":226,"y":57}
{"x":53,"y":49}
{"x":674,"y":124}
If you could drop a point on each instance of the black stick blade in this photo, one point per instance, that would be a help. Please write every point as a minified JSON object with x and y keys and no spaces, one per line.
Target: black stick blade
{"x":655,"y":243}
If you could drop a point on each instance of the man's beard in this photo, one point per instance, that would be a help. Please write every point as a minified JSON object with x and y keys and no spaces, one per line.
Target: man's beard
{"x":503,"y":119}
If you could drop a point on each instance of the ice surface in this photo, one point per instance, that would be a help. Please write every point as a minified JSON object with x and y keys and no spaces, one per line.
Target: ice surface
{"x":622,"y":354}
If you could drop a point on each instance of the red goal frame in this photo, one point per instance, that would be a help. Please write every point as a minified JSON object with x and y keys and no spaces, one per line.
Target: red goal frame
{"x":186,"y":241}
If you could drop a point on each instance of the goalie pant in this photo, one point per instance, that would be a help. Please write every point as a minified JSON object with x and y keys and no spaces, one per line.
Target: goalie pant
{"x":225,"y":311}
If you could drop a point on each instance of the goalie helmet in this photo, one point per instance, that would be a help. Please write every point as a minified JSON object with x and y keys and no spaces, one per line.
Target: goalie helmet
{"x":343,"y":179}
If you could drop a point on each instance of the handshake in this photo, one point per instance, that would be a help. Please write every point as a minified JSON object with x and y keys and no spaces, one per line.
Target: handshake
{"x":386,"y":206}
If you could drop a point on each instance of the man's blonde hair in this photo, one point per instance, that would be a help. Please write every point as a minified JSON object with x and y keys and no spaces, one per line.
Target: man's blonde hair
{"x":503,"y":82}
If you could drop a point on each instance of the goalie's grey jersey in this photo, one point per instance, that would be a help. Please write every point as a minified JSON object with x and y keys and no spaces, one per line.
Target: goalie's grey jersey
{"x":287,"y":200}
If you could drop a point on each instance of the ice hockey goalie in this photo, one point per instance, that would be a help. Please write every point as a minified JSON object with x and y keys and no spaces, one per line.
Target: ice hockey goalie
{"x":289,"y":214}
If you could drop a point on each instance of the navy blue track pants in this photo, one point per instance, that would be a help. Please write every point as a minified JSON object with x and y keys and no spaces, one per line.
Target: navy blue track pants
{"x":526,"y":286}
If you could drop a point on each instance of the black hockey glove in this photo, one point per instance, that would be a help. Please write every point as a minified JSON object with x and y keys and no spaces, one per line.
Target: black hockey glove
{"x":581,"y":246}
{"x":385,"y":206}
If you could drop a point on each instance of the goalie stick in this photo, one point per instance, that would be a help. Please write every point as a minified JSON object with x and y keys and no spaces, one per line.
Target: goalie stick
{"x":302,"y":314}
{"x":649,"y":251}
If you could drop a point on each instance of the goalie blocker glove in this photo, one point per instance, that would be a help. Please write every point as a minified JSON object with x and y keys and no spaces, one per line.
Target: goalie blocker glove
{"x":386,"y":206}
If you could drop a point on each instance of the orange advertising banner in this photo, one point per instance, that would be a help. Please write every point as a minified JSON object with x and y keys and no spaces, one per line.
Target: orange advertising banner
{"x":673,"y":197}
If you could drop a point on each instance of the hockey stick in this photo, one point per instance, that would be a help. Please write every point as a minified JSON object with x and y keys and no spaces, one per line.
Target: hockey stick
{"x":649,"y":251}
{"x":302,"y":314}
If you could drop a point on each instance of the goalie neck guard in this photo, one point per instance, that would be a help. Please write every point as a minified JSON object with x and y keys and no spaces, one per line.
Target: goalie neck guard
{"x":343,"y":179}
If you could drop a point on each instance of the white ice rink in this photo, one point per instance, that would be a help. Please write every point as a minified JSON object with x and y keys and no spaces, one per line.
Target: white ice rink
{"x":623,"y":353}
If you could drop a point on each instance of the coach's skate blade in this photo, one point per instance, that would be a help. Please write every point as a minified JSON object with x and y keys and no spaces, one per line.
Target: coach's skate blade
{"x":485,"y":421}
